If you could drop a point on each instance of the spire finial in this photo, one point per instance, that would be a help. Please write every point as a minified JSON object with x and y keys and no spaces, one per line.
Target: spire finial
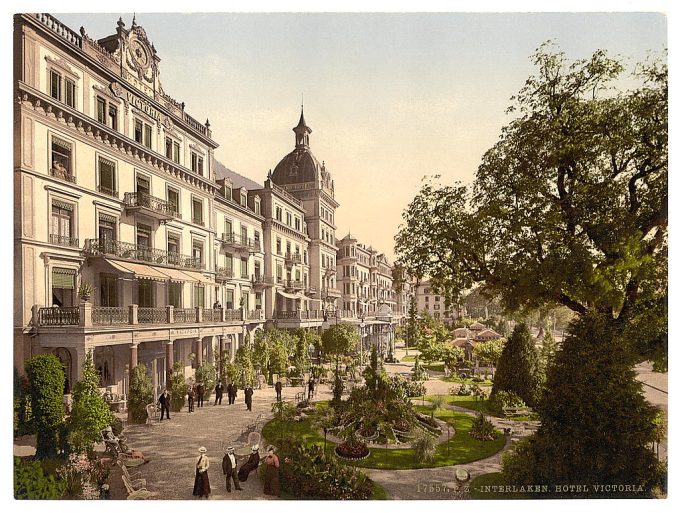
{"x":134,"y":19}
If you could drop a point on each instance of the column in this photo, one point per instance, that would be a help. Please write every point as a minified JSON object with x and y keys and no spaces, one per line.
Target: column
{"x":220,"y":360}
{"x":169,"y":361}
{"x":199,"y":351}
{"x":133,"y":356}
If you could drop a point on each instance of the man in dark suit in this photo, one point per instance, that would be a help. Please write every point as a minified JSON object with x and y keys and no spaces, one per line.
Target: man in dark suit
{"x":249,"y":397}
{"x":234,"y":392}
{"x":229,"y":469}
{"x":278,"y":388}
{"x":164,"y":401}
{"x":218,"y":392}
{"x":199,"y":393}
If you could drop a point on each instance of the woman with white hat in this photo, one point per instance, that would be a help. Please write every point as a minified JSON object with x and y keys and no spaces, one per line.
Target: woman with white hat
{"x":251,"y":464}
{"x":201,"y":481}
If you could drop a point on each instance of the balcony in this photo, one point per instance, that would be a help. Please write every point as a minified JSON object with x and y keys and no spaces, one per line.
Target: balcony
{"x":239,"y":243}
{"x":62,"y":174}
{"x":332,"y":292}
{"x":63,"y":240}
{"x":293,"y":284}
{"x":293,"y":258}
{"x":223,"y":274}
{"x":328,"y":271}
{"x":310,"y":290}
{"x":300,"y":315}
{"x":55,"y":316}
{"x":150,"y":206}
{"x":256,"y":315}
{"x":126,"y":250}
{"x":260,"y":281}
{"x":87,"y":316}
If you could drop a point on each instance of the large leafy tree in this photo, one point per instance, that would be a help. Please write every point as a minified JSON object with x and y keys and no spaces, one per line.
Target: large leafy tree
{"x":271,"y":351}
{"x":339,"y":340}
{"x":568,"y":208}
{"x":490,"y":351}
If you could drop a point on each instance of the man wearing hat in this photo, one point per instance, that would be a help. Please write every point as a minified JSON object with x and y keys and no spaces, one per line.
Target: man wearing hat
{"x":250,"y":465}
{"x":229,"y":469}
{"x":201,"y":481}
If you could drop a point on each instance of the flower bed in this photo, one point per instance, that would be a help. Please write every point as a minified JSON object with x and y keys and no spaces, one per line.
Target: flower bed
{"x":346,"y":458}
{"x":352,"y":450}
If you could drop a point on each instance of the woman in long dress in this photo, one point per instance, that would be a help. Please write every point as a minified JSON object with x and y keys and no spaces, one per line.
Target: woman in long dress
{"x":271,"y":476}
{"x":201,"y":481}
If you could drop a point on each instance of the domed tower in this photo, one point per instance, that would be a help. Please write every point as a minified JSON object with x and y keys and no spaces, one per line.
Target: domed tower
{"x":300,"y":174}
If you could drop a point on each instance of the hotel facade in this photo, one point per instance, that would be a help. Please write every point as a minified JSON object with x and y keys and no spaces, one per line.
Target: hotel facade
{"x":128,"y":244}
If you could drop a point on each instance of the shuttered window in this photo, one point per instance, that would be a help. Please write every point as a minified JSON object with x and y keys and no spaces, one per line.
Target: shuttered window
{"x":63,"y":278}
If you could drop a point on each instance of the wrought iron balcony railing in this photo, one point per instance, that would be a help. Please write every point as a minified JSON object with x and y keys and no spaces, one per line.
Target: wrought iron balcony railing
{"x":134,"y":200}
{"x":64,"y":240}
{"x":99,"y":247}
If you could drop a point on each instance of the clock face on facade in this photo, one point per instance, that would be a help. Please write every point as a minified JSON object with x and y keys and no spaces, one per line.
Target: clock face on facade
{"x":139,"y":54}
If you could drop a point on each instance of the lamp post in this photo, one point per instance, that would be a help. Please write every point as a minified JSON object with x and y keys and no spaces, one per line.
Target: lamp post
{"x":361,"y":342}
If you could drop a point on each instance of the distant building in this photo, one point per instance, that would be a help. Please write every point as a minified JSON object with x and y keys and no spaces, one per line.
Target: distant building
{"x":434,"y":304}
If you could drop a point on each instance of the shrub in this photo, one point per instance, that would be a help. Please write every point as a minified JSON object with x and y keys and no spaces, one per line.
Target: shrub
{"x":482,"y":429}
{"x":23,"y":417}
{"x":504,"y":399}
{"x":424,"y":447}
{"x":31,"y":482}
{"x":141,"y":394}
{"x":90,"y":413}
{"x":207,"y":375}
{"x":116,"y":426}
{"x":305,"y":472}
{"x":178,"y":386}
{"x":46,"y":378}
{"x":464,"y":390}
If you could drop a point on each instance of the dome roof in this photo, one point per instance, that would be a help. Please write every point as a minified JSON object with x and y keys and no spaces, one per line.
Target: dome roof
{"x":298,"y":166}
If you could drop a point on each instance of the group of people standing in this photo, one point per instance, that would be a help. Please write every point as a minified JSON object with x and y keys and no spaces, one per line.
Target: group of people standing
{"x":240,"y":475}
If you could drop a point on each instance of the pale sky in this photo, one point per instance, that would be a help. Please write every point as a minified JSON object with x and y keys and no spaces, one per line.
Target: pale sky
{"x":389,"y":97}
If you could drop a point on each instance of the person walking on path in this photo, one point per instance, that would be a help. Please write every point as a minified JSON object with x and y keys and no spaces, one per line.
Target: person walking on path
{"x":229,"y":469}
{"x":191,"y":394}
{"x":234,"y":393}
{"x":199,"y":392}
{"x":219,"y":389}
{"x":278,"y":388}
{"x":164,"y":402}
{"x":311,"y":386}
{"x":249,"y":397}
{"x":271,"y":476}
{"x":201,"y":480}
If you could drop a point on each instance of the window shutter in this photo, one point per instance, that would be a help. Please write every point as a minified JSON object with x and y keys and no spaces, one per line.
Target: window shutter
{"x":63,"y":278}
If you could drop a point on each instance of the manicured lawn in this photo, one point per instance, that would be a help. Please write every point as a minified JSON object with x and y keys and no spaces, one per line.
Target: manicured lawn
{"x":436,"y":367}
{"x":461,"y":448}
{"x":495,"y":478}
{"x":468,"y":402}
{"x":409,"y":358}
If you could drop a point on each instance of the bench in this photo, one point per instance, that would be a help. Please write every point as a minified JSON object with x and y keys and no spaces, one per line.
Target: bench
{"x":136,"y":493}
{"x":516,"y":411}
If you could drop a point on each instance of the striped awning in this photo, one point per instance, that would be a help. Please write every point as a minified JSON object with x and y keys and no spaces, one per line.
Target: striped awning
{"x":288,"y":295}
{"x":175,"y":275}
{"x":199,"y":277}
{"x":139,"y":271}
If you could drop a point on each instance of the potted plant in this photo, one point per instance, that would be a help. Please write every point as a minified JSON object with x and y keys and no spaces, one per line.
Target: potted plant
{"x":85,"y":290}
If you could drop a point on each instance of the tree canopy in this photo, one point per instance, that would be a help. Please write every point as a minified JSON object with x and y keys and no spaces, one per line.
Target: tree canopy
{"x":339,"y":339}
{"x":569,"y":207}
